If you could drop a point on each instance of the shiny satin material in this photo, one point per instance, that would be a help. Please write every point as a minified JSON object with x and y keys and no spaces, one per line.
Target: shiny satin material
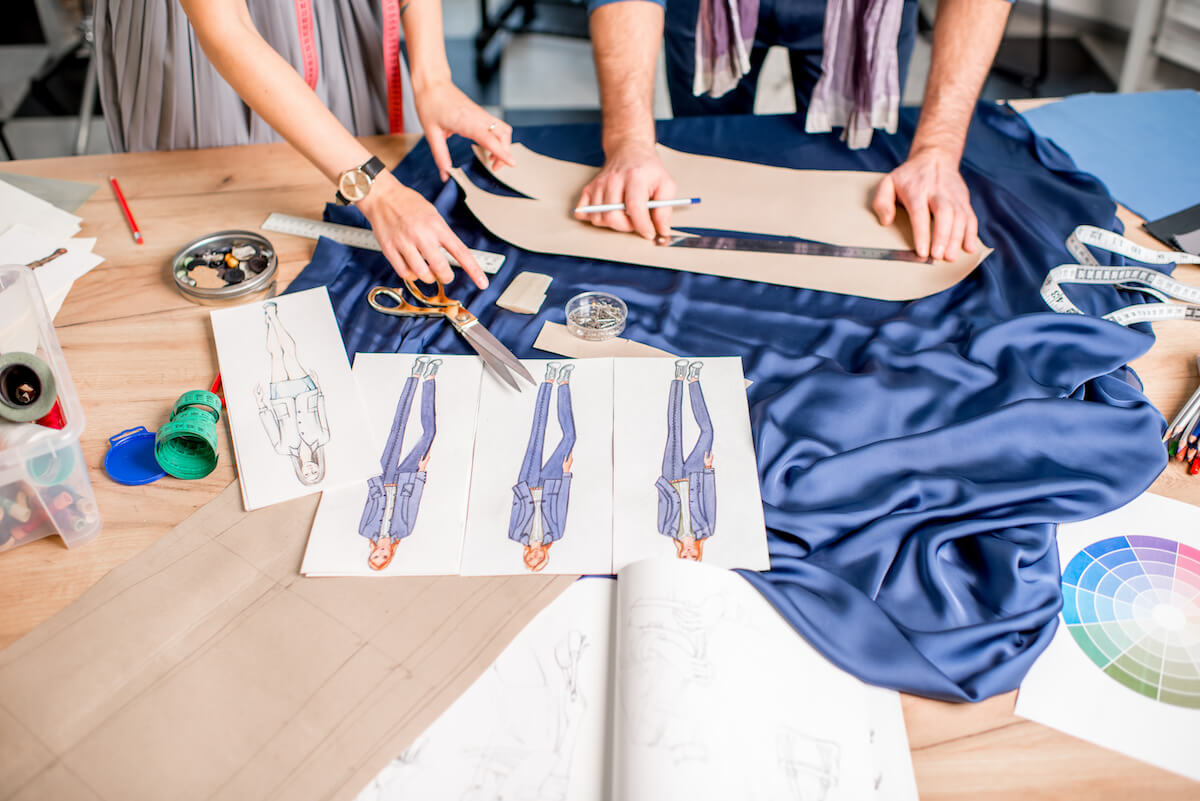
{"x":914,"y":456}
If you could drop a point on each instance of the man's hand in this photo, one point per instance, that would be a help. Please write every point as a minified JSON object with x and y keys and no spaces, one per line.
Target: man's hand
{"x":412,"y":233}
{"x":928,"y":185}
{"x":445,"y":110}
{"x":633,"y":175}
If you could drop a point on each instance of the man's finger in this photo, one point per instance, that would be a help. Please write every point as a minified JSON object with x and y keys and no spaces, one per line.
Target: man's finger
{"x":885,"y":201}
{"x":943,"y":224}
{"x":636,"y":195}
{"x":441,"y":154}
{"x":585,"y":199}
{"x":662,"y":217}
{"x":462,"y":254}
{"x":954,"y":244}
{"x":918,"y":215}
{"x":971,"y":237}
{"x":614,"y":192}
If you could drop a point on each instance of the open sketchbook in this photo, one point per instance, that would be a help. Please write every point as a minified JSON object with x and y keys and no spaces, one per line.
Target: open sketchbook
{"x":605,"y":462}
{"x":676,"y":681}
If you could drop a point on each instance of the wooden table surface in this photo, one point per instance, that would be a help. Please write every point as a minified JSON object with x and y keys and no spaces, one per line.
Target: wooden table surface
{"x":134,"y":345}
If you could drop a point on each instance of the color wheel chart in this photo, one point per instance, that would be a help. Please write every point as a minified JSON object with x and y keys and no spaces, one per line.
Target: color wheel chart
{"x":1132,"y":604}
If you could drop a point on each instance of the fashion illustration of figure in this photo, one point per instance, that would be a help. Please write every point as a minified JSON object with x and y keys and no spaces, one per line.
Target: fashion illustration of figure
{"x":394,"y":496}
{"x":542,"y":491}
{"x":292,"y":412}
{"x":687,"y":488}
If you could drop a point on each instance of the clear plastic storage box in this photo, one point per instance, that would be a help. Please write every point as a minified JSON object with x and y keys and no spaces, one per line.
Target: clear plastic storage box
{"x":44,"y":484}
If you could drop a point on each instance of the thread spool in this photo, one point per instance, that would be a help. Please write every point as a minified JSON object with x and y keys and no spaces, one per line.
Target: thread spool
{"x":27,"y":389}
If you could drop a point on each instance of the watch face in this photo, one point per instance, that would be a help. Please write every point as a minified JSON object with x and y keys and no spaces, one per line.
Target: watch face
{"x":354,"y":185}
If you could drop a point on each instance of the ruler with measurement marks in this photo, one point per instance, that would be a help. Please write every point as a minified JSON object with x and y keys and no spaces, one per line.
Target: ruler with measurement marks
{"x":490,"y":263}
{"x":795,"y":247}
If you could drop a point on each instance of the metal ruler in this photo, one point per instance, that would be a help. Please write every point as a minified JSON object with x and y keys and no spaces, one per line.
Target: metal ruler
{"x":1142,"y":279}
{"x":795,"y":247}
{"x":490,"y":263}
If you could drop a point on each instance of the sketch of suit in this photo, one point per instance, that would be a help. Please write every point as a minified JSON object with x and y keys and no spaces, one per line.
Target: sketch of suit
{"x":394,"y":497}
{"x":549,"y":478}
{"x":688,"y":476}
{"x":295,"y":414}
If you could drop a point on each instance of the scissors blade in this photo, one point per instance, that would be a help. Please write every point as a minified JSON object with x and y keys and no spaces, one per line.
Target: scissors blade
{"x":494,"y":354}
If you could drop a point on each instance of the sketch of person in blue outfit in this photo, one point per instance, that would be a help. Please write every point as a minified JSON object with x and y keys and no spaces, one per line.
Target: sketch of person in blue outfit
{"x":394,"y":496}
{"x":542,"y":491}
{"x":294,"y":413}
{"x":687,"y":488}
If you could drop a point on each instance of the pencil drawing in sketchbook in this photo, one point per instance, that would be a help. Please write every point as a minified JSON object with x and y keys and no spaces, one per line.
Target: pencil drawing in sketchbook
{"x":394,"y":496}
{"x":543,"y":490}
{"x":687,"y":488}
{"x":292,"y":410}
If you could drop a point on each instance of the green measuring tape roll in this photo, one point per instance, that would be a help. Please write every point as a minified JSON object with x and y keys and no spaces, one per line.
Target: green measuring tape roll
{"x":186,"y":447}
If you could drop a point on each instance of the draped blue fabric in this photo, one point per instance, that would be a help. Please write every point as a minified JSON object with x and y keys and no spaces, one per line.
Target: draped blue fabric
{"x":914,"y":456}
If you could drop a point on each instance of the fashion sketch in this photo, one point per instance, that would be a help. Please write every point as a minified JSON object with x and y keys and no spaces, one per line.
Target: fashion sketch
{"x":687,"y":489}
{"x":542,"y":491}
{"x":394,"y":496}
{"x":292,"y":411}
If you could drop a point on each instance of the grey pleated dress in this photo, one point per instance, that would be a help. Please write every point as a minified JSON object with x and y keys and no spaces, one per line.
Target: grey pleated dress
{"x":159,"y":91}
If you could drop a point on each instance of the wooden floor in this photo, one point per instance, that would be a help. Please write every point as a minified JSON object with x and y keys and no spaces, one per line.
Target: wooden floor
{"x":133,"y":346}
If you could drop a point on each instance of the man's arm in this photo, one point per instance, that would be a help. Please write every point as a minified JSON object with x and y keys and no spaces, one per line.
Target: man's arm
{"x":966,"y":34}
{"x":625,"y":40}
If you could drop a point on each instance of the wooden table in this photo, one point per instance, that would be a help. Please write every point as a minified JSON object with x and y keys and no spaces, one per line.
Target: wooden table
{"x":133,"y":346}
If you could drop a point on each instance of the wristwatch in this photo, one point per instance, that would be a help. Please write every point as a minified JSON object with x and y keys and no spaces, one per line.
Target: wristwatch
{"x":353,"y":185}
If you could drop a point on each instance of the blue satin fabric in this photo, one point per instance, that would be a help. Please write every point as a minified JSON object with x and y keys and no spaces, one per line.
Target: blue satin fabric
{"x":914,"y":456}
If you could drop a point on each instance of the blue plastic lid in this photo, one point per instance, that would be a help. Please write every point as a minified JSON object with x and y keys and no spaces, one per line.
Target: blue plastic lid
{"x":130,"y":458}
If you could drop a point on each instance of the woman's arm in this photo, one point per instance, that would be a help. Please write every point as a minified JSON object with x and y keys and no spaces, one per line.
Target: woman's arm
{"x":409,"y":229}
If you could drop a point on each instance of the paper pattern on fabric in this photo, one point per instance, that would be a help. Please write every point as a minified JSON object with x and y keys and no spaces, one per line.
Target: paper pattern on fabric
{"x":821,"y":205}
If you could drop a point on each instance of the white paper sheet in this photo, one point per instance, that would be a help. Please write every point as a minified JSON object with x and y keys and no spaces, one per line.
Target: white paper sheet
{"x":534,"y":726}
{"x":20,"y":244}
{"x":580,"y":502}
{"x":18,"y":206}
{"x":297,"y":417}
{"x":682,"y":684}
{"x":342,"y":537}
{"x":1141,"y":601}
{"x":643,"y":492}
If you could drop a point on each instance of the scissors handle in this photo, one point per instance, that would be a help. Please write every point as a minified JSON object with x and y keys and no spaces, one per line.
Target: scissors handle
{"x":454,"y":310}
{"x":402,"y":307}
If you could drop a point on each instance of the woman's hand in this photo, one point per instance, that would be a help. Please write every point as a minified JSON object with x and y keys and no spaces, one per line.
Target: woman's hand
{"x":445,"y":110}
{"x":412,"y":233}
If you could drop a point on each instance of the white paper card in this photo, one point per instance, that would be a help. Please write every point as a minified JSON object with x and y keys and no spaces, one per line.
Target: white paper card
{"x":409,"y":518}
{"x":541,"y":493}
{"x":20,"y":244}
{"x":1123,"y":669}
{"x":682,"y":433}
{"x":295,"y":412}
{"x":18,"y":206}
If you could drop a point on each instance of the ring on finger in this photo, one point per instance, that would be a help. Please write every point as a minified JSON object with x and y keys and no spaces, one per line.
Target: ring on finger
{"x":492,"y":127}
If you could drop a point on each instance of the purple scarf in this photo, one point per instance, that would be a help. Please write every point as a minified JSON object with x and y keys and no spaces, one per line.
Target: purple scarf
{"x":859,"y":88}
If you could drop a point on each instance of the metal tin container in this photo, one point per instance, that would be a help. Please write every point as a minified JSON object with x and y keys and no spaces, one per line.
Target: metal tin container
{"x":205,"y":271}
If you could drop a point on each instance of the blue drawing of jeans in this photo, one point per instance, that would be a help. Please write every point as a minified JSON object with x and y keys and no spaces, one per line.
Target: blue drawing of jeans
{"x":702,"y":486}
{"x":394,"y":496}
{"x":554,"y":483}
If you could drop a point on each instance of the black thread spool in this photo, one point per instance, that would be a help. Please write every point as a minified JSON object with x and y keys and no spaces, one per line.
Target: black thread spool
{"x":27,"y":390}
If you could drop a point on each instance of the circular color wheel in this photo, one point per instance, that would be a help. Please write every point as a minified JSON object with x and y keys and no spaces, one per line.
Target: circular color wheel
{"x":1132,"y":604}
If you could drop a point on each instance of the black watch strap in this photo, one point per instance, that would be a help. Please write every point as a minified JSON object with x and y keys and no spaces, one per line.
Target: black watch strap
{"x":371,"y":168}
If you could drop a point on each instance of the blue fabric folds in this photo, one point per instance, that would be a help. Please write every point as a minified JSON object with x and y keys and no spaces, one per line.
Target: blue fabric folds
{"x":914,"y":457}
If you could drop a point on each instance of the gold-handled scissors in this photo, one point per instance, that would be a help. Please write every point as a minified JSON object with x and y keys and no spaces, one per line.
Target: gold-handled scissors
{"x":497,"y":357}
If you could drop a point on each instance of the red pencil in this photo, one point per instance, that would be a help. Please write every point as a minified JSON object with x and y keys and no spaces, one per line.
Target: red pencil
{"x":137,"y":235}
